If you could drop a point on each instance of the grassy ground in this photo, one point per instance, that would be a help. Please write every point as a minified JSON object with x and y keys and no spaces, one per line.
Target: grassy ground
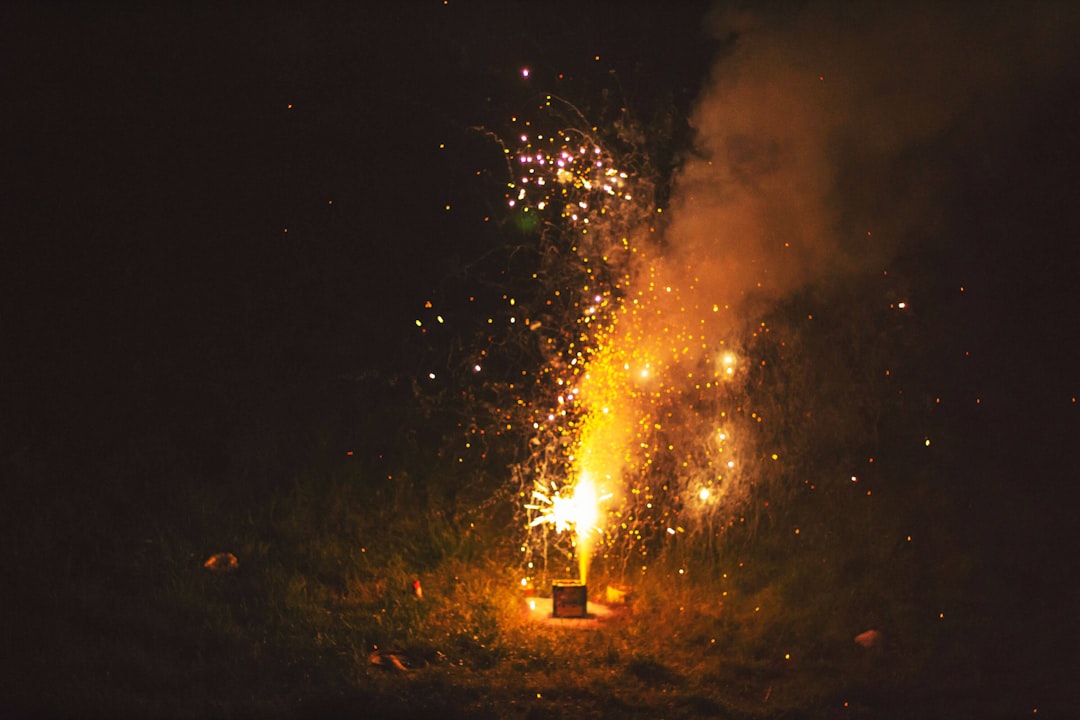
{"x":114,"y":615}
{"x":108,"y":610}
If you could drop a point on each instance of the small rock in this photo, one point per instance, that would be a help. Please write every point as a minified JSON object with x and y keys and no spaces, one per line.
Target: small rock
{"x":869,"y":639}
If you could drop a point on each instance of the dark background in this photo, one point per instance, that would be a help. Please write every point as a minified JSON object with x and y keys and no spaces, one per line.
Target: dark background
{"x":213,"y":211}
{"x":151,"y":299}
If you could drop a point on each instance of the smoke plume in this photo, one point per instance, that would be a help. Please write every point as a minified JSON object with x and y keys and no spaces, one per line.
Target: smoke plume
{"x":825,"y":136}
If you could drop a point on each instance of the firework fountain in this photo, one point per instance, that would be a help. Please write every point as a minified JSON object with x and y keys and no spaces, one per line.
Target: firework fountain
{"x":632,"y":433}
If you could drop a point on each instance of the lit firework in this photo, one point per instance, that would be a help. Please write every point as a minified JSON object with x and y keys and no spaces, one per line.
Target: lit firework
{"x":622,"y":375}
{"x":624,"y":446}
{"x":640,"y":415}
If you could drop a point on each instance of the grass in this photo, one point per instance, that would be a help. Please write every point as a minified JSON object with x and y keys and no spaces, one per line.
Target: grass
{"x":123,"y":620}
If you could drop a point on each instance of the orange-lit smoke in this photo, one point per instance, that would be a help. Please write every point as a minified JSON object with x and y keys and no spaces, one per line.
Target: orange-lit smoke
{"x":824,"y":138}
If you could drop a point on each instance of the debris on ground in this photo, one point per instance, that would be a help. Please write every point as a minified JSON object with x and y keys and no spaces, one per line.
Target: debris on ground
{"x":389,"y":661}
{"x":222,"y":563}
{"x":869,"y":639}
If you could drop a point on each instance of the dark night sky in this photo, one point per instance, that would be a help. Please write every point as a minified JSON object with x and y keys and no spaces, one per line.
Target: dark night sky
{"x":153,"y":164}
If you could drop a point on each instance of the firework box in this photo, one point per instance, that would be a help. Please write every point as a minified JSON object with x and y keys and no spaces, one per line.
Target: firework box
{"x":568,"y":599}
